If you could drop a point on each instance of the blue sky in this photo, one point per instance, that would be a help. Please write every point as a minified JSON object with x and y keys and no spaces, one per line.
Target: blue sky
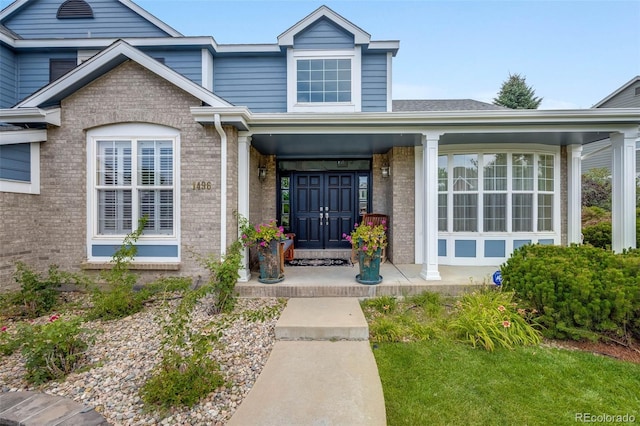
{"x":573,"y":53}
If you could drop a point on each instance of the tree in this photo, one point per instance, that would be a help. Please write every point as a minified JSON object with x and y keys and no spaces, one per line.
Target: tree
{"x":515,"y":94}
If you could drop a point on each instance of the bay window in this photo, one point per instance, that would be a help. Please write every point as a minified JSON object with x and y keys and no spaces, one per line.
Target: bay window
{"x":497,"y":192}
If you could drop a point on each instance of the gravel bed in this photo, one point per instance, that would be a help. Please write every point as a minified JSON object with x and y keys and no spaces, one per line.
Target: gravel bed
{"x":126,"y":351}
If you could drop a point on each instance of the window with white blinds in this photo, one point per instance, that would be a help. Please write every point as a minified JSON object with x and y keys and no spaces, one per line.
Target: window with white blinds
{"x":497,"y":192}
{"x":135,"y":179}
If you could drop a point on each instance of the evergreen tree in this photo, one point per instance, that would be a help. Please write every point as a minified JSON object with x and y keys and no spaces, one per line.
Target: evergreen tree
{"x":515,"y":94}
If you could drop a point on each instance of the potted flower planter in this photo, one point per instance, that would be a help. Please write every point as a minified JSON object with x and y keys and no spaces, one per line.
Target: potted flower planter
{"x":369,"y":267}
{"x":270,"y":265}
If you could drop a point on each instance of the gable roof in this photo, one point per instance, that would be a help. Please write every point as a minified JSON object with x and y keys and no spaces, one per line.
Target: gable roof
{"x":360,"y":36}
{"x":19,"y":4}
{"x":109,"y":58}
{"x":442,"y":105}
{"x":618,"y":91}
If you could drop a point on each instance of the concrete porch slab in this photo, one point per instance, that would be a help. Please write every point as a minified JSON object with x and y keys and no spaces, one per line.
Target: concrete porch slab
{"x":339,"y":281}
{"x":324,"y":318}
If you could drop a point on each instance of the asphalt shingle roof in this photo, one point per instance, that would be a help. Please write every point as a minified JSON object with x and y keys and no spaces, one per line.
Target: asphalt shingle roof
{"x":442,"y":105}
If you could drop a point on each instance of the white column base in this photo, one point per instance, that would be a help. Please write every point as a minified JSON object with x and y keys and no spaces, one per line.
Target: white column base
{"x":430,"y":274}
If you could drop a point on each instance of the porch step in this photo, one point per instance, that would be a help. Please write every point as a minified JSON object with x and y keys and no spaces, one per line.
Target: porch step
{"x":323,"y":318}
{"x":322,"y":254}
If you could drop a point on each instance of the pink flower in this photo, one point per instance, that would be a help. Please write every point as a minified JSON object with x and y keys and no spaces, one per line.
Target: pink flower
{"x":344,"y":235}
{"x":355,"y":225}
{"x":263,"y":243}
{"x":501,"y":308}
{"x":506,"y":324}
{"x":365,"y":248}
{"x":384,"y":222}
{"x":4,"y":328}
{"x":53,"y":317}
{"x":370,"y":223}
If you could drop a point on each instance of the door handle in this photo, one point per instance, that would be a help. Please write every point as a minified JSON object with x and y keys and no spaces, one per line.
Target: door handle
{"x":326,"y":218}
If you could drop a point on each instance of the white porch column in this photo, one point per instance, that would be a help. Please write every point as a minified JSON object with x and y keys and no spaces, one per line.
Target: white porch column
{"x":430,"y":206}
{"x":244,"y":152}
{"x":623,"y":200}
{"x":574,"y":194}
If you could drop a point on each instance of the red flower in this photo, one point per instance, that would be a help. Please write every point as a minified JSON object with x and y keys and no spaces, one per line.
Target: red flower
{"x":4,"y":328}
{"x":53,"y":317}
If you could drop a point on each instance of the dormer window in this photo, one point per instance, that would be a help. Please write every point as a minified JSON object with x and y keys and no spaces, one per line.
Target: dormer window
{"x":74,"y":9}
{"x":324,"y":80}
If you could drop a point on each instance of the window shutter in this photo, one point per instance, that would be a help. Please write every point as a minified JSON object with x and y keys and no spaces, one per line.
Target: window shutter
{"x":74,"y":9}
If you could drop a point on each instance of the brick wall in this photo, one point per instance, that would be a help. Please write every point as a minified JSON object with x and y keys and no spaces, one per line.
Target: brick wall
{"x":403,"y":200}
{"x":51,"y":227}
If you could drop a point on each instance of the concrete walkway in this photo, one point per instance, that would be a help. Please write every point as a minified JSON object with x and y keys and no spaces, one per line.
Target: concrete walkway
{"x":321,"y":370}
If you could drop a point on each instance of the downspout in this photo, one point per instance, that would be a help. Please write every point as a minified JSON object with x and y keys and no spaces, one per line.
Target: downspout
{"x":223,"y":184}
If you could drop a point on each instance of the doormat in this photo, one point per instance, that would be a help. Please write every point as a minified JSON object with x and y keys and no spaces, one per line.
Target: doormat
{"x":318,"y":262}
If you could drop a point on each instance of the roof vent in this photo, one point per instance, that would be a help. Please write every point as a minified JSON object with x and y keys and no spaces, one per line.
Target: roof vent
{"x":73,"y":9}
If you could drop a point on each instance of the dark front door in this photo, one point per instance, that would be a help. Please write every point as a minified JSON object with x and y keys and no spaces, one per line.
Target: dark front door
{"x":324,"y":207}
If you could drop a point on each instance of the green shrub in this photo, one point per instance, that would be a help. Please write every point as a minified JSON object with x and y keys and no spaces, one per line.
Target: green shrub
{"x":119,"y":299}
{"x":223,"y":278}
{"x":577,"y":290}
{"x":55,"y":349}
{"x":37,"y":295}
{"x":181,"y":382}
{"x":598,"y":235}
{"x":489,"y":318}
{"x":9,"y":343}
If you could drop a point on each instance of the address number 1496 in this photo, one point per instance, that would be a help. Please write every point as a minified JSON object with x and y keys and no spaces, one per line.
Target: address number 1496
{"x":202,"y":186}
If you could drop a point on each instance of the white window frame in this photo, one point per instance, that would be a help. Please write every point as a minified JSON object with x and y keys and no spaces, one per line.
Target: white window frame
{"x":355,"y":55}
{"x":22,"y":187}
{"x":509,"y":236}
{"x":132,"y":132}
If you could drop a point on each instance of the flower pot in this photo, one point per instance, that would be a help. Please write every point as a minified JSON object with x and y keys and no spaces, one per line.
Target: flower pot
{"x":270,"y":266}
{"x":369,"y":267}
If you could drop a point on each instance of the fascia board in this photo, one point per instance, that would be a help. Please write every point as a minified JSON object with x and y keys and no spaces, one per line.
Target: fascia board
{"x":12,"y":137}
{"x":235,"y":116}
{"x":149,"y":17}
{"x":113,"y":53}
{"x":11,"y":9}
{"x":360,"y":36}
{"x":31,"y":115}
{"x":84,"y":43}
{"x":613,"y":116}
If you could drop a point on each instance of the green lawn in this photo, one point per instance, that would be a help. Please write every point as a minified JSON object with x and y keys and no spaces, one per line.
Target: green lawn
{"x":442,"y":382}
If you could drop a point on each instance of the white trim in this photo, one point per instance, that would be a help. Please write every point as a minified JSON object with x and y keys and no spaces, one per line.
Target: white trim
{"x":623,"y":191}
{"x":355,"y":55}
{"x":132,"y":131}
{"x":574,"y":194}
{"x":207,"y":70}
{"x":389,"y":82}
{"x":244,"y":199}
{"x":32,"y":187}
{"x":287,"y":37}
{"x":12,"y":137}
{"x":418,"y":205}
{"x":509,"y":236}
{"x":430,"y":210}
{"x":31,"y":115}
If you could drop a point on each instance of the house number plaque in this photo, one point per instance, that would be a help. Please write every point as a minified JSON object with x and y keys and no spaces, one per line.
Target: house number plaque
{"x":202,"y":186}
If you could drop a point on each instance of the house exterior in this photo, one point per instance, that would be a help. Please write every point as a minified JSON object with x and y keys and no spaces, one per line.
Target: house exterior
{"x":109,"y":115}
{"x":598,"y":154}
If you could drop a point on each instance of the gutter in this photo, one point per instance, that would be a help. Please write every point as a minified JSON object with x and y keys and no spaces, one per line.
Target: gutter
{"x":223,"y":184}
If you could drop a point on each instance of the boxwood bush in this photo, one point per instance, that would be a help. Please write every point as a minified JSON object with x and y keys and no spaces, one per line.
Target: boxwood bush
{"x":578,"y":291}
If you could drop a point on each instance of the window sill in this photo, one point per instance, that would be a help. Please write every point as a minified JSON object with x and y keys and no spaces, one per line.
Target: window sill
{"x":164,"y":266}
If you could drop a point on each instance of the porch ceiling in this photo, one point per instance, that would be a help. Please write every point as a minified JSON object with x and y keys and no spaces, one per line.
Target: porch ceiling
{"x":365,"y":145}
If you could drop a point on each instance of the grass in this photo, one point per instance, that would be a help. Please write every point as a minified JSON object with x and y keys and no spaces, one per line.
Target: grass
{"x":441,"y":381}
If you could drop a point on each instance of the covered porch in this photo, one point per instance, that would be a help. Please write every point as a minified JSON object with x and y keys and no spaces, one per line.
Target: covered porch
{"x":339,"y":281}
